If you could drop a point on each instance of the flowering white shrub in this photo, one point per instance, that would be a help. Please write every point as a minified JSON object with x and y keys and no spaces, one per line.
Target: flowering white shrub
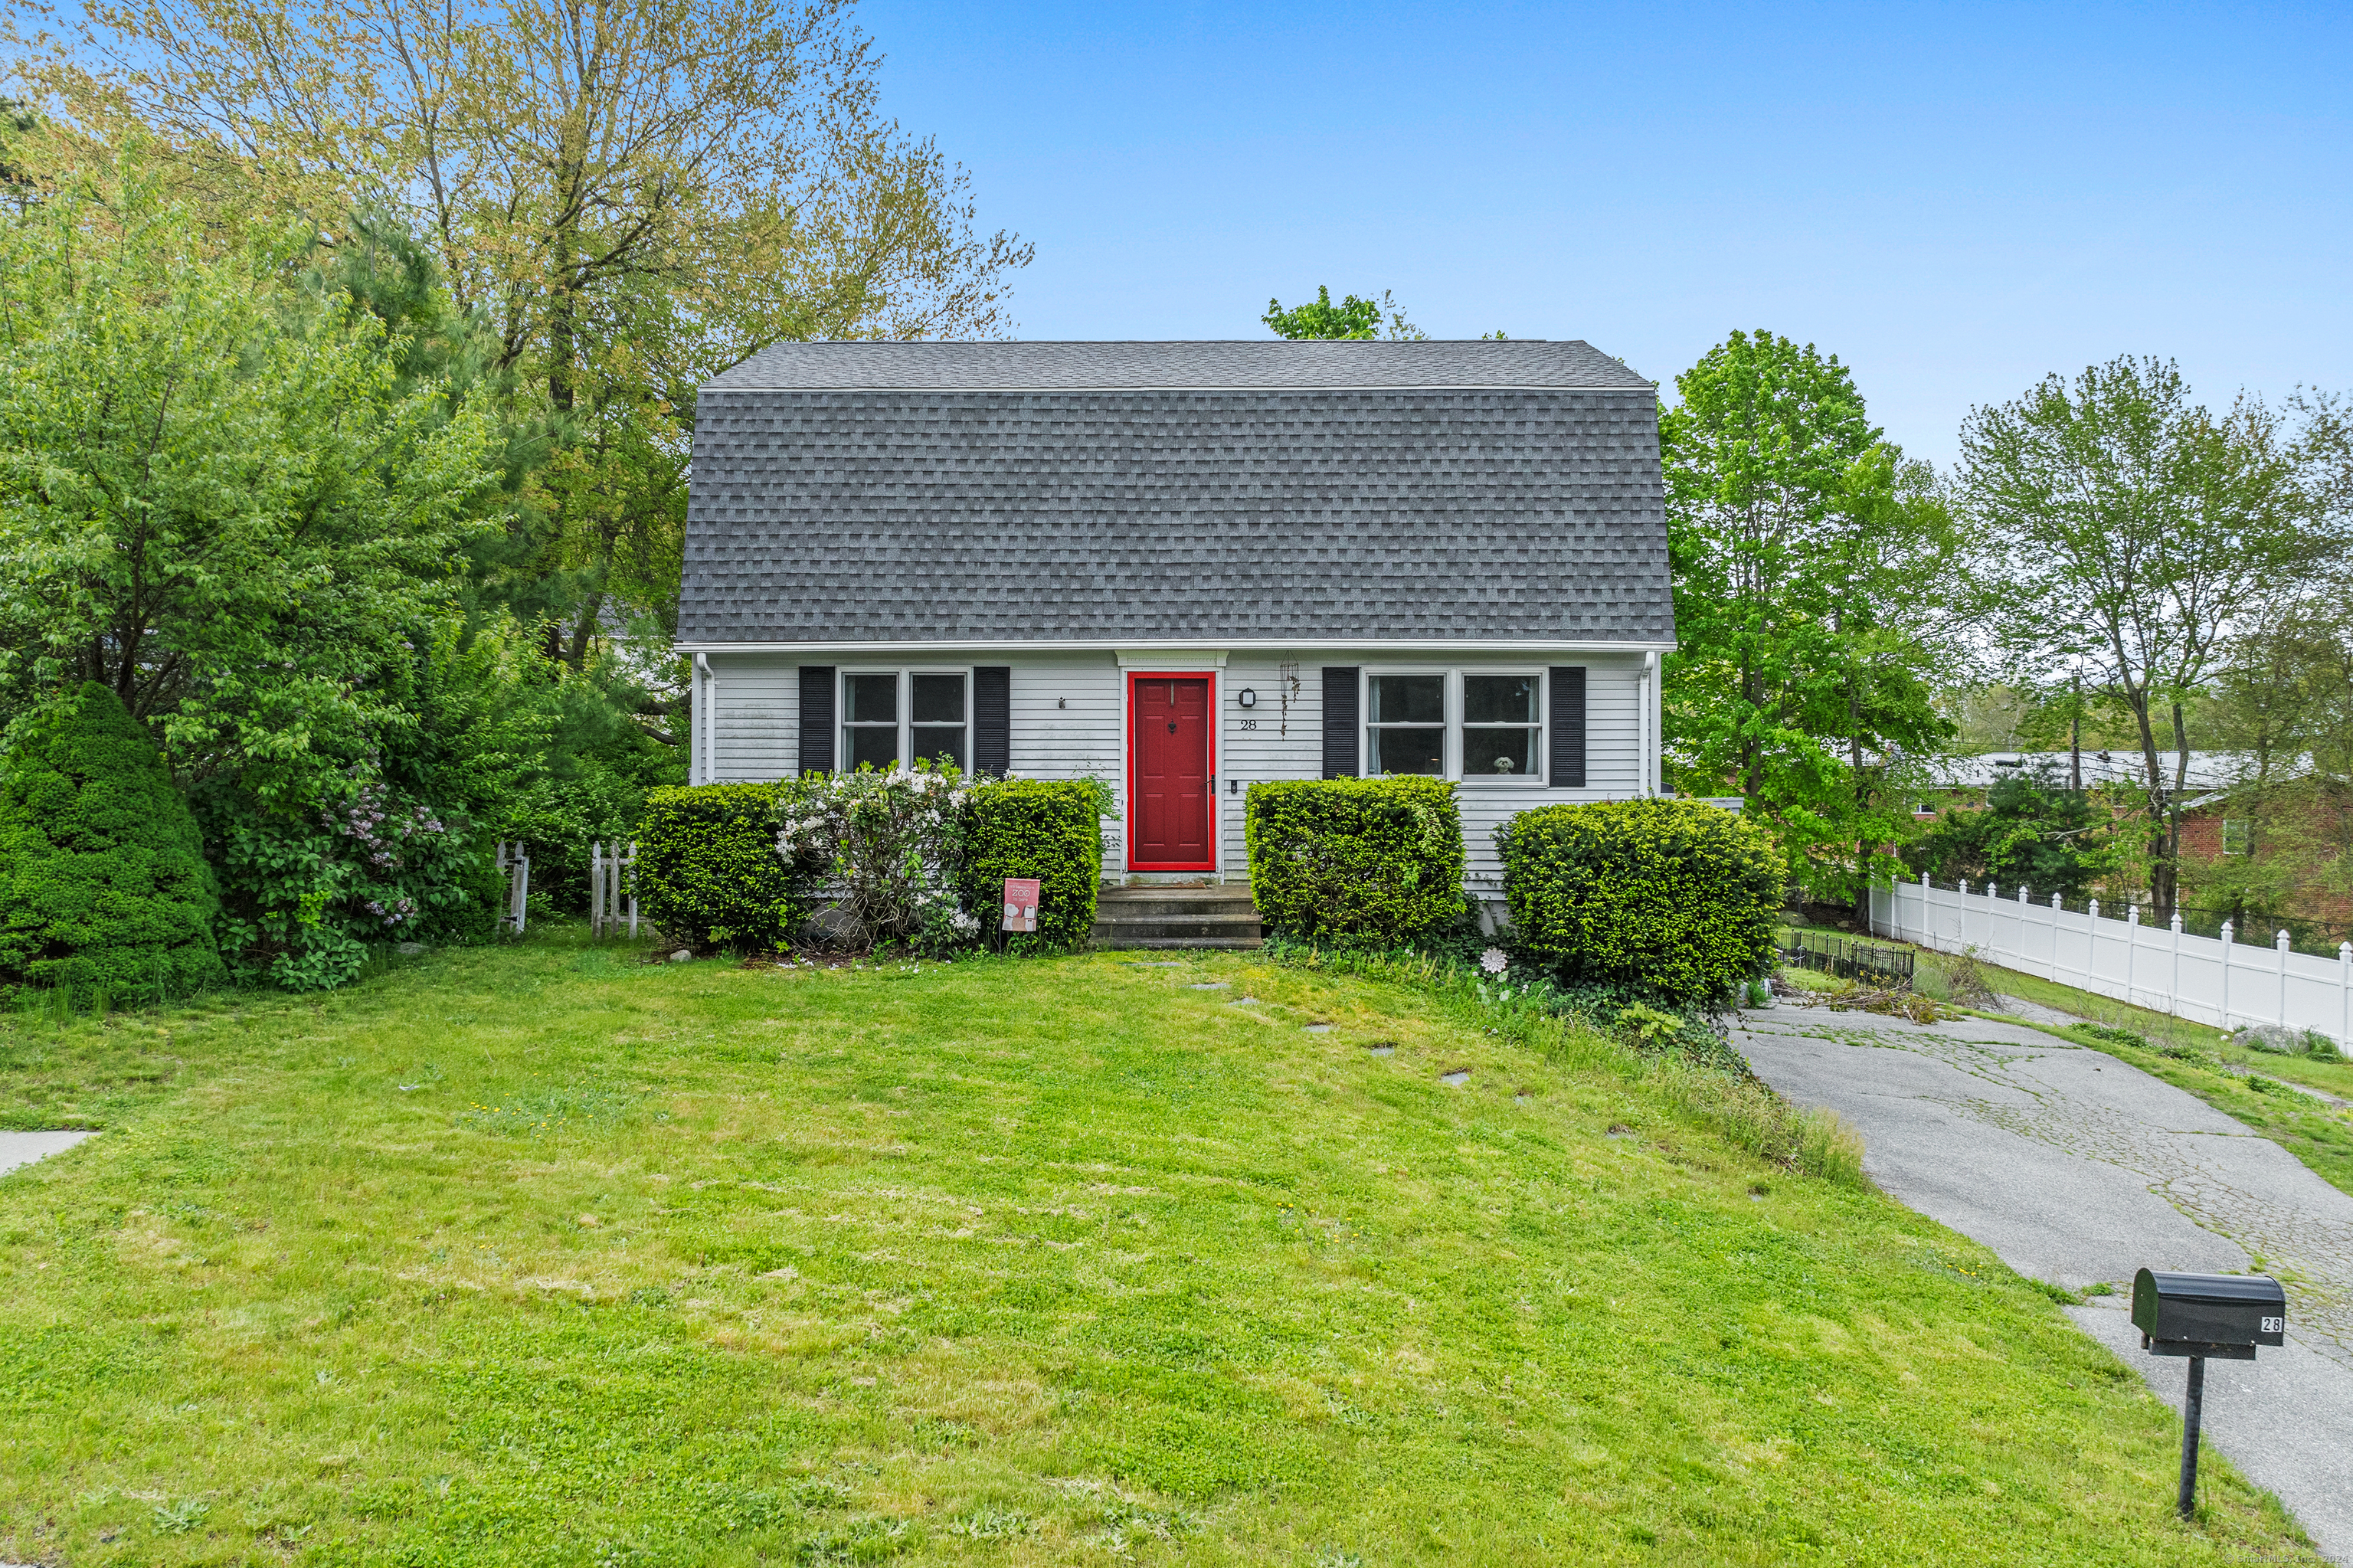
{"x":890,"y":843}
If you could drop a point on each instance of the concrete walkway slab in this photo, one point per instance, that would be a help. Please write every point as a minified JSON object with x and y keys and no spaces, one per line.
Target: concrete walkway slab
{"x":23,"y":1147}
{"x":2077,"y":1168}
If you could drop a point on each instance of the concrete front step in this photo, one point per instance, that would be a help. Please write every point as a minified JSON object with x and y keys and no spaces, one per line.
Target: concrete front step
{"x":1107,"y":906}
{"x":1245,"y":927}
{"x":1157,"y":944}
{"x":1166,"y":916}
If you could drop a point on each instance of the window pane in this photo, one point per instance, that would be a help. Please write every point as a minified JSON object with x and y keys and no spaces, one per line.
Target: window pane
{"x":1408,"y":699}
{"x":1500,"y":754}
{"x":939,"y":699}
{"x":1405,"y":751}
{"x":877,"y":744}
{"x":870,"y":699}
{"x":1499,"y":699}
{"x":937,"y":742}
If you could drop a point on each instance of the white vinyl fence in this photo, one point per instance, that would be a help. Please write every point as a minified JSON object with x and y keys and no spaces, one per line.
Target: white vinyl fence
{"x":2227,"y":982}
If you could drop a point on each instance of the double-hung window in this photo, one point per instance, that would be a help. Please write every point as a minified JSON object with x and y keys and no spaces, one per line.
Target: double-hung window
{"x":1405,"y":729}
{"x":1502,"y":723}
{"x":894,"y":716}
{"x":1469,"y":725}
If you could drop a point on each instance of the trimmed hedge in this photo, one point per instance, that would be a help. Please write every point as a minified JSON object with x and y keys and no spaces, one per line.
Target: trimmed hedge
{"x":708,"y":872}
{"x":1044,"y":828}
{"x":102,"y":876}
{"x":1355,"y":863}
{"x":1671,"y":895}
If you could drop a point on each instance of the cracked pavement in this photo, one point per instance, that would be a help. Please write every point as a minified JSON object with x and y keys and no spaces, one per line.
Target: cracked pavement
{"x":2076,"y":1168}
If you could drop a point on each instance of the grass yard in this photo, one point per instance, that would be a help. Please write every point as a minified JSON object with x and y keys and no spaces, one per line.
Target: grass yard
{"x":537,"y":1255}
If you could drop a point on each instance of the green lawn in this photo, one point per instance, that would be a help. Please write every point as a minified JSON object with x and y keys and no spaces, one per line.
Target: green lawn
{"x":536,"y":1256}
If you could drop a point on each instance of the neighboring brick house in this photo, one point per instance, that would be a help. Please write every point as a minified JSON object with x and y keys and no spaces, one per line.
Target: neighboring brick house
{"x":2295,"y":810}
{"x":1183,"y":567}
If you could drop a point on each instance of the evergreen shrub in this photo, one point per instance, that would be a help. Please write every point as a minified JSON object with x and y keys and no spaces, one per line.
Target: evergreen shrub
{"x":708,"y":872}
{"x":102,"y":876}
{"x":1673,"y":898}
{"x":1051,"y":829}
{"x":1355,"y":863}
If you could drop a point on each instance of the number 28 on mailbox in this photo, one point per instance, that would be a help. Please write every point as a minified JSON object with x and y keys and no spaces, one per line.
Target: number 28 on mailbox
{"x":1020,"y":904}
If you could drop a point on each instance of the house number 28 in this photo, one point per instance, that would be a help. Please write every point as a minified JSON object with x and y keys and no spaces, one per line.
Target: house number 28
{"x":1250,"y":724}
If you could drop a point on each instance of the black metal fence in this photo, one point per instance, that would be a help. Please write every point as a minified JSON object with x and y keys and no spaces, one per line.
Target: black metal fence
{"x":1847,"y":959}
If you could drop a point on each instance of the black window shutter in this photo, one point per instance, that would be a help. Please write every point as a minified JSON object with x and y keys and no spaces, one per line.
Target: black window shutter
{"x":1340,"y":753}
{"x":816,"y":718}
{"x":992,"y":718}
{"x":1569,"y":726}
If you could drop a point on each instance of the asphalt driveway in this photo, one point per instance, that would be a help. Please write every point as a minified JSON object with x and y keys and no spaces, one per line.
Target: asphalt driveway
{"x":2076,"y":1168}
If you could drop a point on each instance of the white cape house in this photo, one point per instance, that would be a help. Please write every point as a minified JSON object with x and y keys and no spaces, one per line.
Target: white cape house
{"x":1181,"y":568}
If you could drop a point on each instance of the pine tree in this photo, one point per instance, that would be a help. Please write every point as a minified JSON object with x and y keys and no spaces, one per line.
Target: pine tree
{"x":102,"y":876}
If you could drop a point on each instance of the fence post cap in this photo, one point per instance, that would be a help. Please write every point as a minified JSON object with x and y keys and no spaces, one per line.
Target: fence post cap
{"x":2227,"y":930}
{"x":2282,"y":939}
{"x":2344,"y":952}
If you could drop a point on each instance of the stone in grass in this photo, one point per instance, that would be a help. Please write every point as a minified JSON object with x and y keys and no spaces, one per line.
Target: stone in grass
{"x":1243,"y":1001}
{"x":409,"y":949}
{"x":683,"y":955}
{"x":1455,"y":1079}
{"x":1384,"y":1049}
{"x":1319,"y":1029}
{"x":1208,"y":985}
{"x":2275,"y":1038}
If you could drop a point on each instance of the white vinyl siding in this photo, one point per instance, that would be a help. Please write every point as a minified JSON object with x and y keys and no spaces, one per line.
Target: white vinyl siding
{"x":1066,"y":716}
{"x":1065,"y":713}
{"x":757,"y":721}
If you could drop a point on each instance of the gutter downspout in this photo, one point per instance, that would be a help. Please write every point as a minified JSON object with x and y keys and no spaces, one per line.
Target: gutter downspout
{"x":706,"y":718}
{"x":1650,"y":724}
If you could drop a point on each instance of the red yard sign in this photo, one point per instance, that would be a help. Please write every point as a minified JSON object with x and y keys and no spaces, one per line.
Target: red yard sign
{"x":1020,"y":904}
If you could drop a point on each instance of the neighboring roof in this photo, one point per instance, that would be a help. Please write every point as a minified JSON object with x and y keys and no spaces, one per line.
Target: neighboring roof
{"x":1272,"y":491}
{"x":1253,"y":365}
{"x":2209,"y":771}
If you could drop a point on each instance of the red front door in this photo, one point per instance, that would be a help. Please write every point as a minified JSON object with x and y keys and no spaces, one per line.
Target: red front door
{"x":1168,"y":792}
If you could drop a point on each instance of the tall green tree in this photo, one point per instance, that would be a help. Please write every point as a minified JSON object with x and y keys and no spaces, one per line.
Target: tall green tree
{"x":217,"y":499}
{"x":631,"y":195}
{"x":1807,"y":556}
{"x":1351,"y":318}
{"x":2126,"y":532}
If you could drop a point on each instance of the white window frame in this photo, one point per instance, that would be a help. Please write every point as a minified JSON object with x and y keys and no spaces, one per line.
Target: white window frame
{"x":906,"y":674}
{"x":1540,"y":779}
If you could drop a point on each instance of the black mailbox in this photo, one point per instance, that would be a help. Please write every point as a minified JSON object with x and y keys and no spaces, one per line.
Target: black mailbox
{"x":2222,"y":1316}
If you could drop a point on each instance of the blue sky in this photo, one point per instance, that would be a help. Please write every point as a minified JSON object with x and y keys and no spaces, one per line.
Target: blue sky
{"x":1955,"y":200}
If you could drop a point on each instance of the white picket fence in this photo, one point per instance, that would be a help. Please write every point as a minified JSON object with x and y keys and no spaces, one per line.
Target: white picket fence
{"x":612,"y":881}
{"x":515,"y":859}
{"x":2225,"y":982}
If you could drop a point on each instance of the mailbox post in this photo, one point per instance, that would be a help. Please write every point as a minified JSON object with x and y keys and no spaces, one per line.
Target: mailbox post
{"x":2202,"y":1316}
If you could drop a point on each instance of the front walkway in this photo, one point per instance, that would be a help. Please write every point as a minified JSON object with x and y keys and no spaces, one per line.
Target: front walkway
{"x":2076,"y":1168}
{"x":23,"y":1147}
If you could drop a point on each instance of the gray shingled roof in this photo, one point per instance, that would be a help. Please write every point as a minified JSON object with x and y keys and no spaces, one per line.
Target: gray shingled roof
{"x":1260,"y":363}
{"x":1270,"y":492}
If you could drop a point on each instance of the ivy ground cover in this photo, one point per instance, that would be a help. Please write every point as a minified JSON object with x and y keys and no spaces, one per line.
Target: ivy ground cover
{"x":543,"y":1256}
